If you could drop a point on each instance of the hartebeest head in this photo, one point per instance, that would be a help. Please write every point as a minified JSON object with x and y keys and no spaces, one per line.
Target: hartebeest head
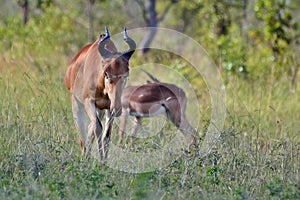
{"x":116,"y":70}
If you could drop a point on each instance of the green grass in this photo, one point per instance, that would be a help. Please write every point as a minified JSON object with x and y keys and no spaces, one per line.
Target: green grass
{"x":256,"y":157}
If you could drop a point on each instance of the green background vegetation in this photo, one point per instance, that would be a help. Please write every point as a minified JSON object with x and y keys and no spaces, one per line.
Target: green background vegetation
{"x":256,"y":48}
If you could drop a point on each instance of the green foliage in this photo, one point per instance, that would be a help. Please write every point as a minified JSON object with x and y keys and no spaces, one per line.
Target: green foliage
{"x":44,"y":35}
{"x":278,"y":189}
{"x":280,"y":33}
{"x":141,"y":184}
{"x":278,"y":23}
{"x":233,"y":53}
{"x":44,"y":4}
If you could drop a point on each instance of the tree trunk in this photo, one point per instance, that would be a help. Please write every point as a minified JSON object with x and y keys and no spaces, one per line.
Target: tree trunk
{"x":89,"y":5}
{"x":25,"y":10}
{"x":151,"y":22}
{"x":245,"y":20}
{"x":294,"y":68}
{"x":151,"y":19}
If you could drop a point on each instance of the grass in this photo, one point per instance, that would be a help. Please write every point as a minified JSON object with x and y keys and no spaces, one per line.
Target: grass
{"x":257,"y":156}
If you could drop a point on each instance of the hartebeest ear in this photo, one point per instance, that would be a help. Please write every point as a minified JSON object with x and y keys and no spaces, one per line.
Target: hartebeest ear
{"x":105,"y":53}
{"x":132,"y":45}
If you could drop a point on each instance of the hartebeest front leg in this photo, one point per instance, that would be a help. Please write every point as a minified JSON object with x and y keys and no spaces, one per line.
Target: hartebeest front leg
{"x":79,"y":119}
{"x":95,"y":127}
{"x":105,"y":137}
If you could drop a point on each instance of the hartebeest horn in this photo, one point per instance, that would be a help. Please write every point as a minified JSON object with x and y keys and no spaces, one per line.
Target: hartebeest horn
{"x":127,"y":54}
{"x":105,"y":53}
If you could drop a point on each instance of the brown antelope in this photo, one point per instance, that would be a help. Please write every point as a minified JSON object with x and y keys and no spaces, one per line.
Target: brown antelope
{"x":96,"y":77}
{"x":152,"y":99}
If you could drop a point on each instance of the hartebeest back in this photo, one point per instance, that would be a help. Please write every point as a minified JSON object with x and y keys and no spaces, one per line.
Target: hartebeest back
{"x":96,"y":77}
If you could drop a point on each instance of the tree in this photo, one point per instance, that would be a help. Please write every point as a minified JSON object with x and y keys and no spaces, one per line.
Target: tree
{"x":277,"y":19}
{"x":89,"y":4}
{"x":281,"y":33}
{"x":25,"y":9}
{"x":151,"y":20}
{"x":40,"y":4}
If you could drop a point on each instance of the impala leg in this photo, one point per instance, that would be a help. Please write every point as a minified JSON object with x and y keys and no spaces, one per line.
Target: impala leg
{"x":106,"y":135}
{"x":95,"y":127}
{"x":136,"y":124}
{"x":173,"y":112}
{"x":137,"y":121}
{"x":123,"y":121}
{"x":185,"y":126}
{"x":188,"y":131}
{"x":176,"y":114}
{"x":79,"y":119}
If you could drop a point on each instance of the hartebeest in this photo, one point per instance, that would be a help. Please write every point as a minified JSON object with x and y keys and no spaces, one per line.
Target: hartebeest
{"x":96,"y":77}
{"x":152,"y":99}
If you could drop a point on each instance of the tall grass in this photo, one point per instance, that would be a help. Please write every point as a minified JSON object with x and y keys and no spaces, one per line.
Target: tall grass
{"x":257,"y":155}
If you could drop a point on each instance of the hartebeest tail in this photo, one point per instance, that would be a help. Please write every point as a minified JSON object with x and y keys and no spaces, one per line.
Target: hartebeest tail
{"x":96,"y":77}
{"x":152,"y":99}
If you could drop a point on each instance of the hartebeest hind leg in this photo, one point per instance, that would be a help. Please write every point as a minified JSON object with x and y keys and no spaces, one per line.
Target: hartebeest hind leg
{"x":79,"y":119}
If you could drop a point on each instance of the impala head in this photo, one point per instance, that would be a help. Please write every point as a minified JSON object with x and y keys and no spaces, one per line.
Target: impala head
{"x":116,"y":70}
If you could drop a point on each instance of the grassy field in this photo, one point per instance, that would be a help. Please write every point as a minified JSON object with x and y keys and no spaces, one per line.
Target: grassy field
{"x":256,"y":157}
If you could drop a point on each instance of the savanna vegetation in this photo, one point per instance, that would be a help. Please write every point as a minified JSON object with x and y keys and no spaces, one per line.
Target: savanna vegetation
{"x":255,"y":45}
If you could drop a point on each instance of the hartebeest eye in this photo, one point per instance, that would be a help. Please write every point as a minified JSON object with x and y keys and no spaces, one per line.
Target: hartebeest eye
{"x":108,"y":80}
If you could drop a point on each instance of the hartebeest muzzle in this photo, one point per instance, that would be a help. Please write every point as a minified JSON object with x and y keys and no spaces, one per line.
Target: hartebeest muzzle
{"x":116,"y":93}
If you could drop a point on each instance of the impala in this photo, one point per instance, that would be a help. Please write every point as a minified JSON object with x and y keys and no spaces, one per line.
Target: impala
{"x":152,"y":99}
{"x":95,"y":78}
